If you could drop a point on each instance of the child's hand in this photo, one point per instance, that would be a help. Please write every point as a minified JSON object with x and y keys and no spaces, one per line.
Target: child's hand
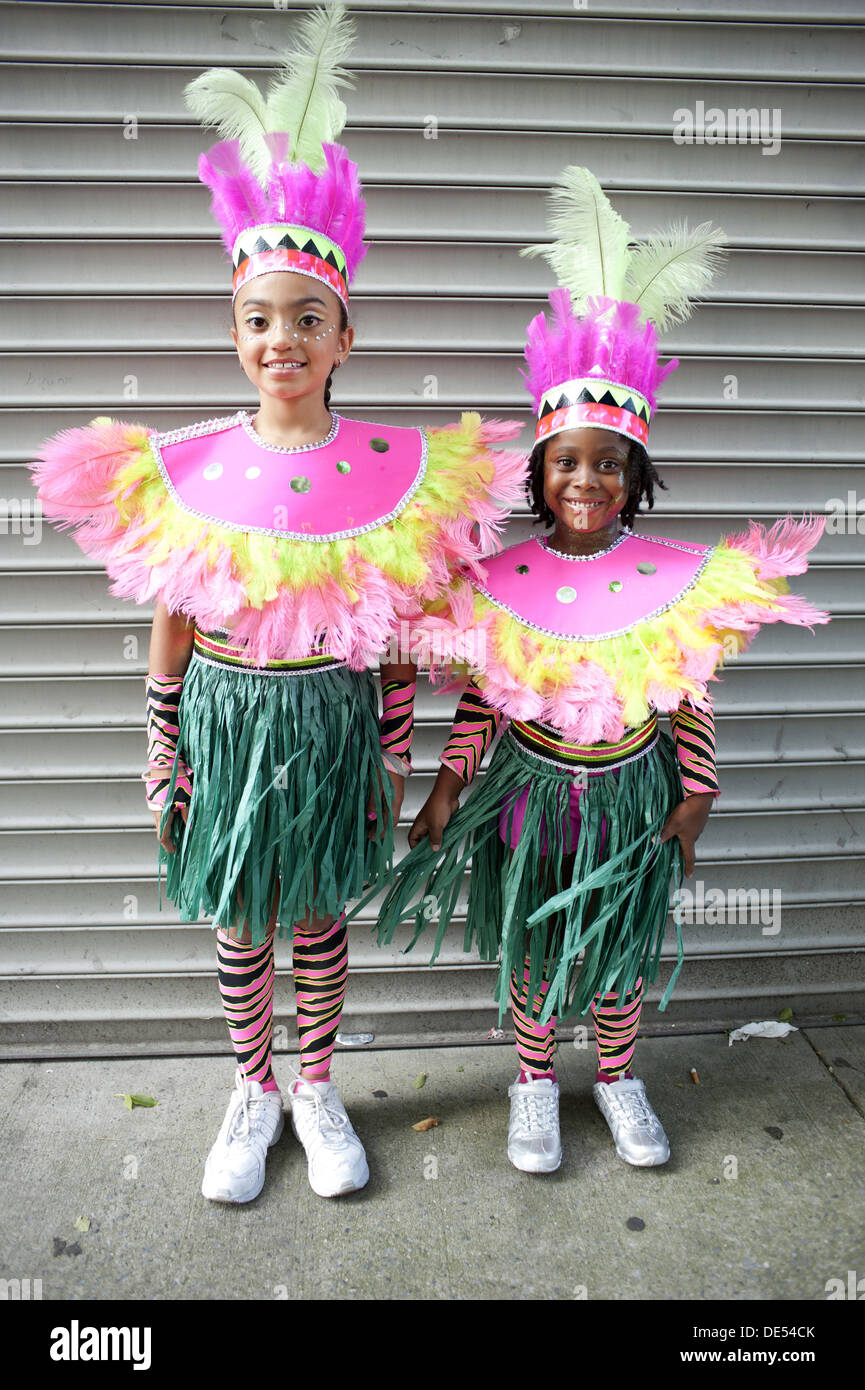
{"x":433,"y":818}
{"x":442,"y":802}
{"x":688,"y":822}
{"x":165,"y":837}
{"x":376,"y":831}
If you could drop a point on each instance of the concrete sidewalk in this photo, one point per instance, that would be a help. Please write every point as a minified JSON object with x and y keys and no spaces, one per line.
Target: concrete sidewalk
{"x":762,"y":1199}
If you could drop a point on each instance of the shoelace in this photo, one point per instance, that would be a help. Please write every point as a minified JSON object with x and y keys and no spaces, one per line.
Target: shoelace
{"x":241,"y":1125}
{"x":332,"y":1119}
{"x":534,"y":1112}
{"x":634,"y":1109}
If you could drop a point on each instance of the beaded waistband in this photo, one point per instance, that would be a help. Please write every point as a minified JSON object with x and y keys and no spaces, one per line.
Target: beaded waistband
{"x":548,"y":746}
{"x":214,"y":649}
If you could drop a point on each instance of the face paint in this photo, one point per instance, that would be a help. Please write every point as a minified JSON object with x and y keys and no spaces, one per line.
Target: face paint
{"x":298,"y":337}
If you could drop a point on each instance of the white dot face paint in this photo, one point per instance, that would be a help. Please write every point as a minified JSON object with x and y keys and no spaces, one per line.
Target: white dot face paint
{"x":298,"y":337}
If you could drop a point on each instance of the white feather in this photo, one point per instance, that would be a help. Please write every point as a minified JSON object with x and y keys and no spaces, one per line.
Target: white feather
{"x":304,"y":98}
{"x":224,"y":98}
{"x":672,"y":269}
{"x":590,"y":251}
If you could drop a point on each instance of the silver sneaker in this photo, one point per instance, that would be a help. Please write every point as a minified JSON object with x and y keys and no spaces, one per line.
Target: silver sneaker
{"x":534,"y":1142}
{"x":336,"y":1160}
{"x":639,"y":1134}
{"x":234,"y":1170}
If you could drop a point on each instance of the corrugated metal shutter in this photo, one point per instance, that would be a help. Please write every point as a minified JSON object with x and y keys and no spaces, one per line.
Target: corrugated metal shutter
{"x":115,"y":302}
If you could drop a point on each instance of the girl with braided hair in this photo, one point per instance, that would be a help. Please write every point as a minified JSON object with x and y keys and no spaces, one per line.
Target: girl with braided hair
{"x":580,"y":638}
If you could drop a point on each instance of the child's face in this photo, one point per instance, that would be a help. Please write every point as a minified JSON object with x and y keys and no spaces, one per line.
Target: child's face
{"x":586,"y":477}
{"x":288,"y":335}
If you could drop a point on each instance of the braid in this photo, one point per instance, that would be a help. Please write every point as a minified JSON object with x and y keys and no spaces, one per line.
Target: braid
{"x":535,"y":487}
{"x":643,"y":478}
{"x":343,"y":325}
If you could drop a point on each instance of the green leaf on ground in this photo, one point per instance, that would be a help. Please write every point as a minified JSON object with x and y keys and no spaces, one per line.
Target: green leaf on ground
{"x":83,"y":1223}
{"x":785,"y":1016}
{"x":419,"y":1080}
{"x":130,"y":1101}
{"x":839,"y":1018}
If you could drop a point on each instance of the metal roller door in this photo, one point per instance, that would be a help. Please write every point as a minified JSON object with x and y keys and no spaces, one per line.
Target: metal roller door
{"x":114,"y":302}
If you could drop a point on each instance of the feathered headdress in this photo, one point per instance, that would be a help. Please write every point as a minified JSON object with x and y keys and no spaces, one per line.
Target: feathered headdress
{"x":596,"y":361}
{"x":286,"y":196}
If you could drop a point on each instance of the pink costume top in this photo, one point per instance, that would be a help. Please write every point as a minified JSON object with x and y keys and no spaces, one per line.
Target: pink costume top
{"x":326,"y":546}
{"x":591,"y":645}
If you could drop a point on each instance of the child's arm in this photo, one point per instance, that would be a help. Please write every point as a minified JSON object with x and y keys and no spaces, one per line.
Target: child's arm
{"x":694,"y":737}
{"x":171,"y":640}
{"x":475,"y":726}
{"x":170,"y":643}
{"x":398,"y":688}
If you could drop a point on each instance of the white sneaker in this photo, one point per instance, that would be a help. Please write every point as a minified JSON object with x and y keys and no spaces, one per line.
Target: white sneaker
{"x":534,"y":1142}
{"x":639,"y":1134}
{"x":336,"y":1160}
{"x":234,"y":1170}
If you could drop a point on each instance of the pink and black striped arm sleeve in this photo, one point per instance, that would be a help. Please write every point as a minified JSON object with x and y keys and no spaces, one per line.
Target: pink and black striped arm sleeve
{"x":694,"y":737}
{"x":162,"y":702}
{"x":397,"y":724}
{"x":475,"y":726}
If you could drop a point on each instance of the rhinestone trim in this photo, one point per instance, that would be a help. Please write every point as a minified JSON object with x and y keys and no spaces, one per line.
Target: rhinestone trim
{"x":581,"y":559}
{"x":245,"y":419}
{"x":213,"y":426}
{"x":615,"y":632}
{"x":264,"y":670}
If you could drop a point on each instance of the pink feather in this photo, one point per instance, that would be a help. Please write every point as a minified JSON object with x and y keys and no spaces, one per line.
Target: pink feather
{"x":610,"y":340}
{"x":782,"y":549}
{"x":238,"y":200}
{"x":330,"y":202}
{"x":588,"y":710}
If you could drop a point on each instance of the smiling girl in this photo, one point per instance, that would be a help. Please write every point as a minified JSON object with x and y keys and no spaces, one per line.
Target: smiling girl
{"x":588,"y":809}
{"x":283,"y":549}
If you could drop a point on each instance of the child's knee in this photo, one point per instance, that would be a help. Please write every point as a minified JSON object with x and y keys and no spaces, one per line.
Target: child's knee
{"x":311,"y":925}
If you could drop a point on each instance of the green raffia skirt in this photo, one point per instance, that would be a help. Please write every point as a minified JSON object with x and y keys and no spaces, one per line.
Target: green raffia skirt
{"x":284,"y":760}
{"x":601,"y":889}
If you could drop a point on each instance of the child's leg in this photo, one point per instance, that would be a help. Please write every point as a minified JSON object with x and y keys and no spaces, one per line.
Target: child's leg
{"x":336,"y":1160}
{"x":534,"y":1142}
{"x":234,"y":1170}
{"x":246,"y":986}
{"x":245,"y":973}
{"x":616,"y":1025}
{"x":620,"y":1097}
{"x":536,"y":1042}
{"x":320,"y":974}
